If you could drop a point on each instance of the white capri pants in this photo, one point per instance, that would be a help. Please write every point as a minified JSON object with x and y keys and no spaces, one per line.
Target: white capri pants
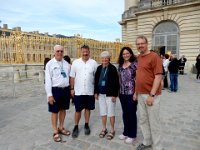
{"x":106,"y":106}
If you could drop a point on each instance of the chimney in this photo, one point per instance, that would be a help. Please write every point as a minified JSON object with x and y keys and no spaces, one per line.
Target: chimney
{"x":5,"y":26}
{"x":18,"y":28}
{"x":46,"y":33}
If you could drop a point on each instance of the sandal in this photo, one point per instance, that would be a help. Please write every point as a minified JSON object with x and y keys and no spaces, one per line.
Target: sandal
{"x":56,"y":137}
{"x":64,"y":132}
{"x":110,"y":135}
{"x":103,"y":133}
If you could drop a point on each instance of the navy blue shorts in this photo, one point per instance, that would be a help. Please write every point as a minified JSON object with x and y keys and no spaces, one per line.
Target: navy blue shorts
{"x":62,"y":98}
{"x":84,"y":102}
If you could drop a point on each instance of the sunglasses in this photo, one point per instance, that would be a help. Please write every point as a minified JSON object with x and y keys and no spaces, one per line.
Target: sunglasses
{"x":59,"y":51}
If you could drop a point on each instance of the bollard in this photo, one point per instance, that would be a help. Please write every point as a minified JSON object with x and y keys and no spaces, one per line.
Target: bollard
{"x":16,"y":76}
{"x":41,"y":75}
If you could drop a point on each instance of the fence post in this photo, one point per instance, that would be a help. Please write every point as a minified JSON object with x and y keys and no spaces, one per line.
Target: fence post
{"x":13,"y":83}
{"x":16,"y":76}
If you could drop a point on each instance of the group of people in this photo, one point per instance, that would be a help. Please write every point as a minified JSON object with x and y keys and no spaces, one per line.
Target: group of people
{"x":136,"y":81}
{"x":173,"y":66}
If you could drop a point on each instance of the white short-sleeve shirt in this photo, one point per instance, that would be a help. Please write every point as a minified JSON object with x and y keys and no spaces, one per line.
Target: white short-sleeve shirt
{"x":166,"y":64}
{"x":83,"y":74}
{"x":53,"y":76}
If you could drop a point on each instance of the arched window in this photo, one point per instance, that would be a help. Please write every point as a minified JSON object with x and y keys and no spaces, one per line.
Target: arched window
{"x":166,"y":34}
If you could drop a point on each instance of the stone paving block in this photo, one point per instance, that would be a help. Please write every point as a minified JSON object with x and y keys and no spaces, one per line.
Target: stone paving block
{"x":84,"y":145}
{"x":124,"y":147}
{"x":40,"y":148}
{"x":183,"y":147}
{"x":95,"y":147}
{"x":3,"y":146}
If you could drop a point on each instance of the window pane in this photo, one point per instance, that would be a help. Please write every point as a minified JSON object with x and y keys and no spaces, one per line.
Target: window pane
{"x":162,"y":40}
{"x":166,"y":34}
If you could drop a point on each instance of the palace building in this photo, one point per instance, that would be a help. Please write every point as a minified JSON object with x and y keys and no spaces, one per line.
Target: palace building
{"x":171,"y":24}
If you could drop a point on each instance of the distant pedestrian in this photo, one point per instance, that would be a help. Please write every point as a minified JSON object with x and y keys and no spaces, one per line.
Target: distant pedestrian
{"x":182,"y":62}
{"x":173,"y":73}
{"x":197,"y":65}
{"x":58,"y":93}
{"x":68,"y":59}
{"x":127,"y":73}
{"x":148,"y":91}
{"x":82,"y":88}
{"x":165,"y":65}
{"x":106,"y":92}
{"x":46,"y":60}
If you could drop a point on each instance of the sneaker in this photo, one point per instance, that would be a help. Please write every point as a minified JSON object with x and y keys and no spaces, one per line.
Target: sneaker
{"x":75,"y":132}
{"x":87,"y":130}
{"x":142,"y":147}
{"x":129,"y":140}
{"x":122,"y":137}
{"x":170,"y":91}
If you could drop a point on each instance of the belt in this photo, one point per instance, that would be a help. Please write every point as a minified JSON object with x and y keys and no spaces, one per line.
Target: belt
{"x":60,"y":87}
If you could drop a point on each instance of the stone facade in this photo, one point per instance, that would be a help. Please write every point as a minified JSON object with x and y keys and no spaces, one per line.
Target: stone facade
{"x":142,"y":17}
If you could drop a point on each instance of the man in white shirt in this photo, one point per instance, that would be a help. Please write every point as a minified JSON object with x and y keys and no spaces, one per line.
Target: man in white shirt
{"x":58,"y":92}
{"x":82,"y":88}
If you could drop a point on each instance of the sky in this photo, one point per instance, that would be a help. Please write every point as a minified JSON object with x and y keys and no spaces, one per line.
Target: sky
{"x":94,"y":19}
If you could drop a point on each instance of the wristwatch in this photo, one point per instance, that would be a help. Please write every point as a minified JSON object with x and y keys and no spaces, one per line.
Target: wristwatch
{"x":152,"y":95}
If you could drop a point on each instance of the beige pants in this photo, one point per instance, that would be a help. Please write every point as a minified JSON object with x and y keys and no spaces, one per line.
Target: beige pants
{"x":150,"y":121}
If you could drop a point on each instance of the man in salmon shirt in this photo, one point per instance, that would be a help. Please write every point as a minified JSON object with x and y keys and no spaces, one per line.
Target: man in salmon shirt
{"x":148,"y":91}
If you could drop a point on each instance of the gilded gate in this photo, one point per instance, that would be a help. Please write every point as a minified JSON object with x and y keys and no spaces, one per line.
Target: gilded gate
{"x":17,"y":47}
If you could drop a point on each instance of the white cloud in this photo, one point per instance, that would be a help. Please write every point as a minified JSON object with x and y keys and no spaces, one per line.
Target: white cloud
{"x":95,"y":19}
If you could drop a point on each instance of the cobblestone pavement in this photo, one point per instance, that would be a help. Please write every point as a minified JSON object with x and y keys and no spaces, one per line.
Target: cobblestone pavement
{"x":25,"y":122}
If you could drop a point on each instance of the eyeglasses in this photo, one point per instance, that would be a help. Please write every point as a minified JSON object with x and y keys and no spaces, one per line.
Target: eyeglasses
{"x":126,"y":54}
{"x":138,"y":44}
{"x":59,"y":51}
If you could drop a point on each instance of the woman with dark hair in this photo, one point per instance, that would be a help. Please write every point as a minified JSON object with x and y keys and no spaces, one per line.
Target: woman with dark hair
{"x":127,"y":72}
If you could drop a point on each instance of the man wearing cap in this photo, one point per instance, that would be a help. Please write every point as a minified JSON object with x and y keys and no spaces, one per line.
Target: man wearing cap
{"x":57,"y":89}
{"x":82,"y":88}
{"x":106,"y":91}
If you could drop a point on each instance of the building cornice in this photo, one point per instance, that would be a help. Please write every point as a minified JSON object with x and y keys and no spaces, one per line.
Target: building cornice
{"x":133,"y":12}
